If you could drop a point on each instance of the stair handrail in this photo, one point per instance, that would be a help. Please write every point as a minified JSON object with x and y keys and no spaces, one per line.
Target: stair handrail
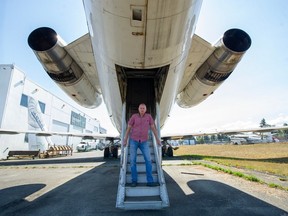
{"x":158,"y":160}
{"x":123,"y":163}
{"x":124,"y":149}
{"x":158,"y":148}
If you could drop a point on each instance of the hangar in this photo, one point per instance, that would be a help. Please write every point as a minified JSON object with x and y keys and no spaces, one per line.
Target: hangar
{"x":24,"y":105}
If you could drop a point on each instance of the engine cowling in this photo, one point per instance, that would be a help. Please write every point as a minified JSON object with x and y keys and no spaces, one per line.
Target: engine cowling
{"x":216,"y":69}
{"x":62,"y":68}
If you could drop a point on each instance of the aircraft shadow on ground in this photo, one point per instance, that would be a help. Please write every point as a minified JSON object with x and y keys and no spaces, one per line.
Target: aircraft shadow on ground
{"x":12,"y":196}
{"x":95,"y":191}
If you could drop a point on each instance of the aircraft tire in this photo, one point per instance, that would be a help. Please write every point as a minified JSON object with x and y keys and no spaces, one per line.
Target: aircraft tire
{"x":106,"y":152}
{"x":163,"y":151}
{"x":170,"y":152}
{"x":115,"y":152}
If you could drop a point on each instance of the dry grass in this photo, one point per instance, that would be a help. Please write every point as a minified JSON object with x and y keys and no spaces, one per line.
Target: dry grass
{"x":271,"y":158}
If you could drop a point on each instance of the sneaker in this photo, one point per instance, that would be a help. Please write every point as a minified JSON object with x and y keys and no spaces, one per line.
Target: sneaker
{"x":152,"y":184}
{"x":133,"y":184}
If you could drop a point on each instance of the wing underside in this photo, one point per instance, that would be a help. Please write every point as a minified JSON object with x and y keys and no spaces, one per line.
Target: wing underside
{"x":199,"y":51}
{"x":81,"y":51}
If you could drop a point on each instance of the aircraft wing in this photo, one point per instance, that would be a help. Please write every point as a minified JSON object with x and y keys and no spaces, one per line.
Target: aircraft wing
{"x":51,"y":133}
{"x":227,"y":132}
{"x":260,"y":130}
{"x":172,"y":136}
{"x":199,"y":51}
{"x":81,"y":51}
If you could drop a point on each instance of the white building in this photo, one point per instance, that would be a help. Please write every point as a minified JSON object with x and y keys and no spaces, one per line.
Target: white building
{"x":24,"y":105}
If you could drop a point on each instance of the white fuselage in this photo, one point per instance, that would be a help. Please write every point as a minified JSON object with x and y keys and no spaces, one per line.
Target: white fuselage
{"x":140,"y":34}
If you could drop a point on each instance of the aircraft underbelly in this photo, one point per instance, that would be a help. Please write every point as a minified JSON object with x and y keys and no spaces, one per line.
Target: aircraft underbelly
{"x":140,"y":35}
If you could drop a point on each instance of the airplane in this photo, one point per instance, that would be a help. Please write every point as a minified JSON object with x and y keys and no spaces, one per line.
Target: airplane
{"x":139,"y":52}
{"x":251,"y":138}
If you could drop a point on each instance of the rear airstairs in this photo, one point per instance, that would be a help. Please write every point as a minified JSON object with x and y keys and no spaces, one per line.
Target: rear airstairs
{"x":142,"y":196}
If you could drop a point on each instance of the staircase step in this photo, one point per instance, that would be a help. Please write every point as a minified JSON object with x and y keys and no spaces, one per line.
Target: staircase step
{"x":142,"y":191}
{"x":140,"y":158}
{"x":141,"y":167}
{"x":139,"y":199}
{"x":136,"y":205}
{"x":141,"y":177}
{"x":140,"y":153}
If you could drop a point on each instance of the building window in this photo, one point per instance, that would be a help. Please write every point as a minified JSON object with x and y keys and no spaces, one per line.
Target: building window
{"x":78,"y":120}
{"x":24,"y":100}
{"x":42,"y":106}
{"x":26,"y":138}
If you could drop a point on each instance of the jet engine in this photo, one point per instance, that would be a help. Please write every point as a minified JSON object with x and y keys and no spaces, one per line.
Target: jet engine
{"x":216,"y":69}
{"x":62,"y":68}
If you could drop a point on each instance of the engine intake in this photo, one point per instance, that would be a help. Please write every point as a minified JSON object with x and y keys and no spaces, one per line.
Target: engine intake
{"x":236,"y":40}
{"x":42,"y":39}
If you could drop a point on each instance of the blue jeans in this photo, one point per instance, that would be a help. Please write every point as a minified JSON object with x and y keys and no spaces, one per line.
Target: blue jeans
{"x":144,"y":147}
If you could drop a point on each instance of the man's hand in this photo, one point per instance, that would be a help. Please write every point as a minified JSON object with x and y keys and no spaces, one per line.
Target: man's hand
{"x":156,"y":135}
{"x":124,"y":142}
{"x":158,"y":141}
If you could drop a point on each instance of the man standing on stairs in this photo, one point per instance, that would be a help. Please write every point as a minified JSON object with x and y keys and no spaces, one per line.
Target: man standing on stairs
{"x":138,"y":127}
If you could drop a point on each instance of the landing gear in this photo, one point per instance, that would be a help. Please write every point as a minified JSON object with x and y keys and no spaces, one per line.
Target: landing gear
{"x":167,"y":149}
{"x":106,"y":152}
{"x":163,"y":150}
{"x":111,"y":150}
{"x":115,"y":151}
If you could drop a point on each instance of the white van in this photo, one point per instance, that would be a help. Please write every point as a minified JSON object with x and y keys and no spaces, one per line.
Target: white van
{"x":238,"y":140}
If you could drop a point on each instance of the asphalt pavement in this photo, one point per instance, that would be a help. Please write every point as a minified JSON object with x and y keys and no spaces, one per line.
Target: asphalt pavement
{"x":86,"y":184}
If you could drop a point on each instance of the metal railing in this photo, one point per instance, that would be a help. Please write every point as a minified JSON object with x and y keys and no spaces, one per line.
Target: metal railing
{"x":158,"y":159}
{"x":123,"y":163}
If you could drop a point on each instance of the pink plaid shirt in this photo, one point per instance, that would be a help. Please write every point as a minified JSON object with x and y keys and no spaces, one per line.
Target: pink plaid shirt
{"x":140,"y":126}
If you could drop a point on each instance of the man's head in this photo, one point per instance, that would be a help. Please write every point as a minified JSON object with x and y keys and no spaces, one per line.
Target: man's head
{"x":142,"y":109}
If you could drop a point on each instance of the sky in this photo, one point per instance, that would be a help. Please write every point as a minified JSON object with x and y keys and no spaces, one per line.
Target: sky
{"x":256,"y":89}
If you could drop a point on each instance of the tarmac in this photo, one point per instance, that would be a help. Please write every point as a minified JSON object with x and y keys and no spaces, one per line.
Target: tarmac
{"x":86,"y":184}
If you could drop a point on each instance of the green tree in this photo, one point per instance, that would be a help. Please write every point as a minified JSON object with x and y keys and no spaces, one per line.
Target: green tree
{"x":213,"y":137}
{"x":206,"y":139}
{"x":200,"y":139}
{"x":285,"y":132}
{"x":264,"y":124}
